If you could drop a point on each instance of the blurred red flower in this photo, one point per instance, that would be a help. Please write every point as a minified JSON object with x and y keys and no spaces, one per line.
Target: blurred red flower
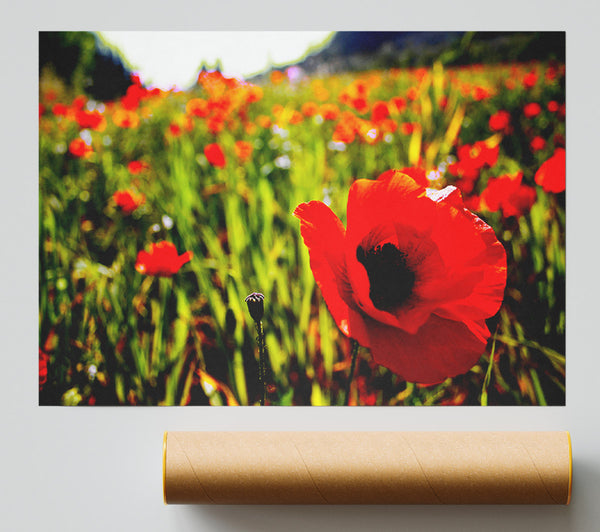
{"x":507,"y":194}
{"x":277,"y":77}
{"x":552,"y":106}
{"x":197,"y":107}
{"x":551,"y":176}
{"x":329,"y":111}
{"x":137,"y":167}
{"x":215,"y":155}
{"x":174,"y":129}
{"x":78,"y":148}
{"x":360,"y":104}
{"x":243,"y":150}
{"x":500,"y":121}
{"x":78,"y":102}
{"x":346,"y":129}
{"x":296,"y":117}
{"x":128,"y":200}
{"x":412,"y":94}
{"x":380,"y":111}
{"x":162,"y":260}
{"x":413,"y":277}
{"x":90,"y":119}
{"x":407,"y":128}
{"x":126,"y":119}
{"x":473,"y":157}
{"x":537,"y":143}
{"x":309,"y":109}
{"x":43,"y":367}
{"x":481,"y":93}
{"x":531,"y":110}
{"x":399,"y":103}
{"x":530,"y":80}
{"x":59,"y":109}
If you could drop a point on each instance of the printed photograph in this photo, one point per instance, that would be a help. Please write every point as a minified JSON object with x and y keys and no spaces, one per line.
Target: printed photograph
{"x":302,"y":218}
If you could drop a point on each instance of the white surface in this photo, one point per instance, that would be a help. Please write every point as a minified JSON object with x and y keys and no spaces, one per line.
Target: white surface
{"x":97,"y":469}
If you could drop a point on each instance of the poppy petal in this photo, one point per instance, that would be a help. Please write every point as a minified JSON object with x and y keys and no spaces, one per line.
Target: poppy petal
{"x":324,"y":235}
{"x":443,"y":348}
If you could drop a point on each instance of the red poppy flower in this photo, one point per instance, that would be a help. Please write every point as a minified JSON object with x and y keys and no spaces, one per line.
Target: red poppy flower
{"x":329,"y":111}
{"x":530,"y":80}
{"x":473,"y":157}
{"x":197,"y":107}
{"x":43,"y":367}
{"x":537,"y":143}
{"x":128,"y":200}
{"x":309,"y":109}
{"x":388,"y":125}
{"x":137,"y":167}
{"x":380,"y":112}
{"x":126,"y":119}
{"x":296,"y":117}
{"x":345,"y":129}
{"x":413,"y":277}
{"x":215,"y":155}
{"x":412,"y":94}
{"x":215,"y":124}
{"x":531,"y":110}
{"x":500,"y":121}
{"x":507,"y":194}
{"x":551,"y":176}
{"x":174,"y":129}
{"x":360,"y":104}
{"x":162,"y":260}
{"x":481,"y":93}
{"x":553,"y":106}
{"x":243,"y":150}
{"x":407,"y":128}
{"x":60,"y":109}
{"x":399,"y":103}
{"x":79,"y":102}
{"x":78,"y":148}
{"x":418,"y":174}
{"x":90,"y":119}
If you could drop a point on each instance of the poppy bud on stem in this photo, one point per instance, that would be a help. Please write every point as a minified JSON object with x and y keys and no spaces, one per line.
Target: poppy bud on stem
{"x":352,"y":368}
{"x":256,"y":307}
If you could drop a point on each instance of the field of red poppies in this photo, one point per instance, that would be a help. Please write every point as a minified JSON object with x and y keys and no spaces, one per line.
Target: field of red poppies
{"x":406,"y":229}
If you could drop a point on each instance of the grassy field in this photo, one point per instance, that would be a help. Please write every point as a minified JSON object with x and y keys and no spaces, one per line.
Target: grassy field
{"x":217,"y":172}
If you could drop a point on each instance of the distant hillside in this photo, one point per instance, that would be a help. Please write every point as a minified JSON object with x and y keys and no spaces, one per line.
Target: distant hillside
{"x":87,"y":65}
{"x":356,"y":51}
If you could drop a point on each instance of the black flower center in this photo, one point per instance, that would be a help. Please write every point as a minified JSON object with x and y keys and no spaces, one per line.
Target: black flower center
{"x":390,"y":278}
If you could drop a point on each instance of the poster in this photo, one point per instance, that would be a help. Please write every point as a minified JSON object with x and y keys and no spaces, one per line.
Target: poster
{"x":381,"y":222}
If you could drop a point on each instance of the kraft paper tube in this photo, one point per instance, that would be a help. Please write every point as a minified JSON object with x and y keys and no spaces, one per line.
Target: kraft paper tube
{"x":367,"y":467}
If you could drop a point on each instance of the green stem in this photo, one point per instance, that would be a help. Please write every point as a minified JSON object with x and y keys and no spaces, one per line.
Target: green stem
{"x":261,"y":362}
{"x":352,"y":368}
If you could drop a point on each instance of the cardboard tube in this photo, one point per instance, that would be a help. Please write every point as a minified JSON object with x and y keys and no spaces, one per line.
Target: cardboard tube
{"x":367,"y":467}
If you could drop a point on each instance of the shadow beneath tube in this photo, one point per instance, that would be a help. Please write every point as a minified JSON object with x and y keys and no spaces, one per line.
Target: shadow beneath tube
{"x":582,"y":514}
{"x":381,"y":518}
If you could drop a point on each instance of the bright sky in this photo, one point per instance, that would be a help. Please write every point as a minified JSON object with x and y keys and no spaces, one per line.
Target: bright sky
{"x":173,"y":58}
